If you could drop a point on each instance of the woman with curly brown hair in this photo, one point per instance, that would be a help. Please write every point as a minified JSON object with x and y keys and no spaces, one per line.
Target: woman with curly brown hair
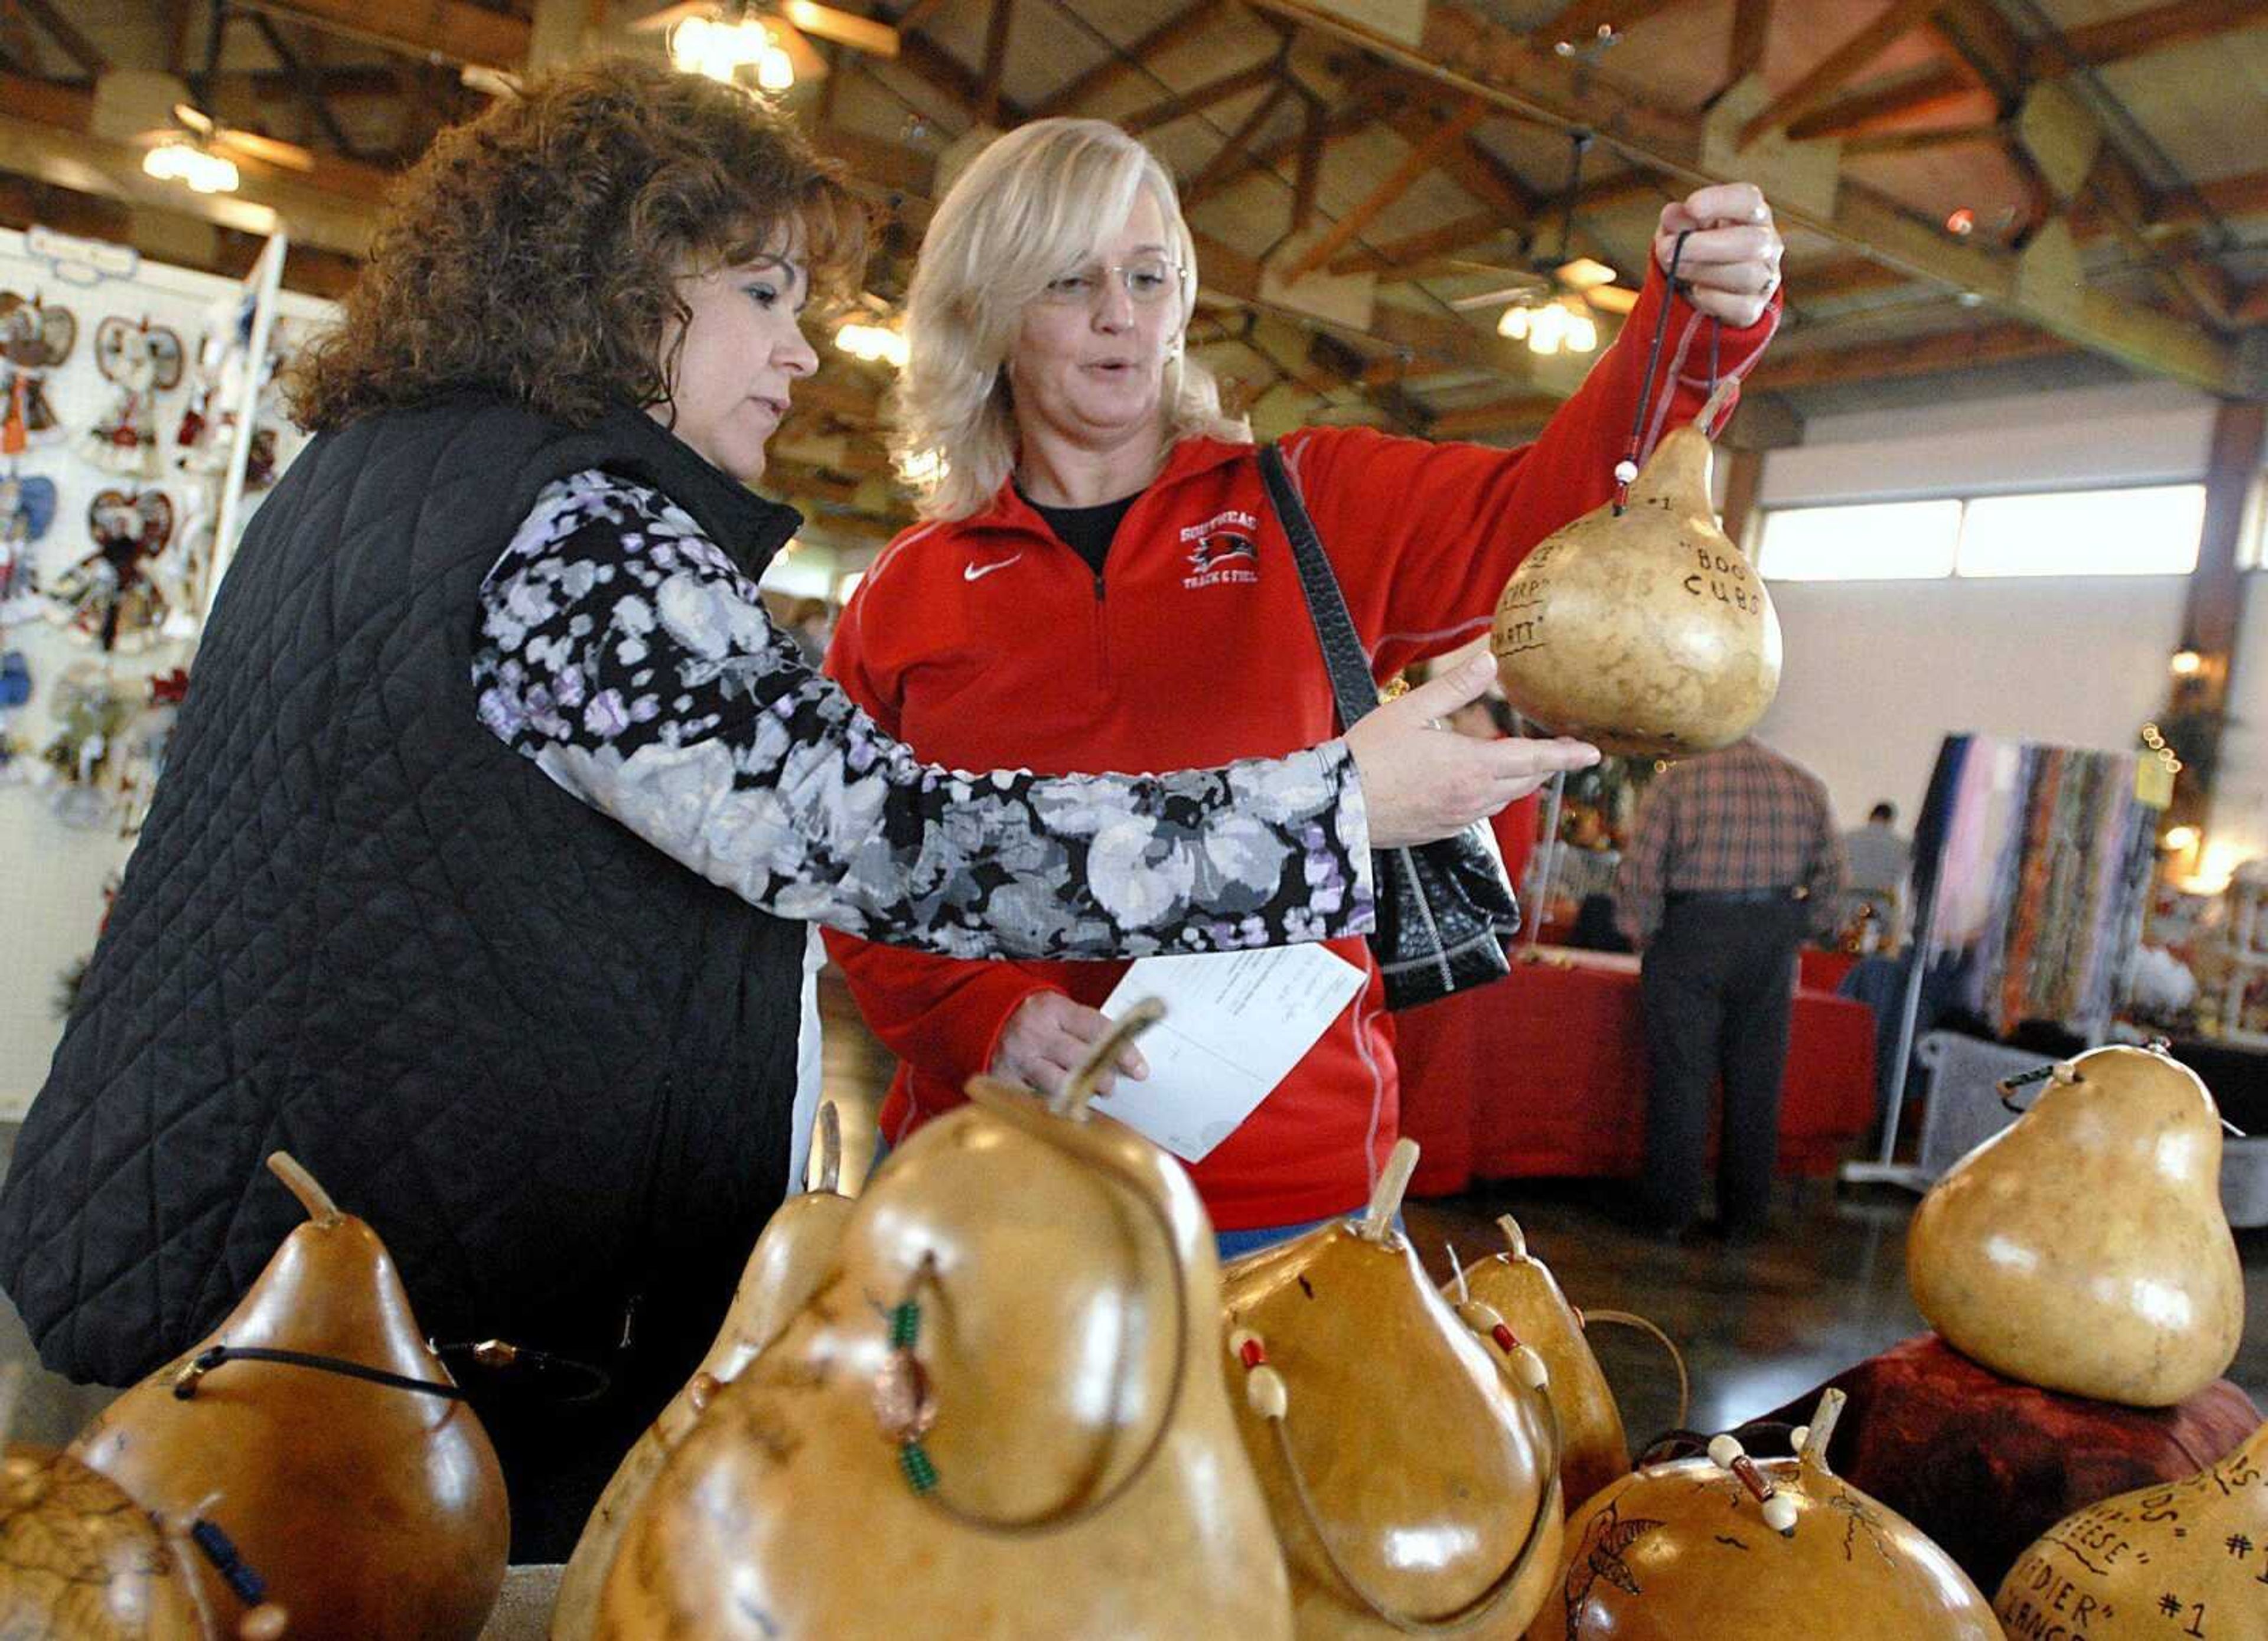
{"x":479,"y":875}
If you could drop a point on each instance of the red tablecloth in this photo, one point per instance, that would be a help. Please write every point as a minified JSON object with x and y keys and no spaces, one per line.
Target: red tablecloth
{"x":1544,"y":1073}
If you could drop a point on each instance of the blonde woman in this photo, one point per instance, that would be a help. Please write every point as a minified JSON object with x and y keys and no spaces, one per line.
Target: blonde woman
{"x":1098,"y":583}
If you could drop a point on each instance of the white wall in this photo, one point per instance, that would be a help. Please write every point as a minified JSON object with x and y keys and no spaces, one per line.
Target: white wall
{"x":1878,"y":673}
{"x":52,"y":875}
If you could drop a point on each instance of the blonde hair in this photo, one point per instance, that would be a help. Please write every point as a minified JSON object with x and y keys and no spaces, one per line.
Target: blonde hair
{"x":1031,"y":207}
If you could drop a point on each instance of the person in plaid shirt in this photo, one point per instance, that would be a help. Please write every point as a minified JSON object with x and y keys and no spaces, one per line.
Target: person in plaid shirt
{"x":1735,"y":858}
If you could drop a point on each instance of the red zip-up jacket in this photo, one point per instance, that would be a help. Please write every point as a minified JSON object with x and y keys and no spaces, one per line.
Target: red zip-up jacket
{"x":987,"y":642}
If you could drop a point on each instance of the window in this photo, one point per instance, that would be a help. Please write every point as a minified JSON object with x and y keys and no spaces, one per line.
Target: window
{"x":1886,"y":541}
{"x":2148,"y":530}
{"x":2145,"y":531}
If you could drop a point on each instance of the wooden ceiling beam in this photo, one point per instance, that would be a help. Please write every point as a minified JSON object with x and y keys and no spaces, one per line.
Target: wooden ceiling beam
{"x":1919,"y":93}
{"x":2160,"y":28}
{"x":1199,"y":98}
{"x":1235,"y":154}
{"x":1948,"y":351}
{"x":1415,"y":164}
{"x":1469,"y":53}
{"x":944,"y":73}
{"x":1342,"y":120}
{"x":996,"y":60}
{"x":1187,"y":24}
{"x":1580,"y":21}
{"x":1846,"y":276}
{"x":455,"y":30}
{"x":1981,"y":40}
{"x":59,"y":28}
{"x":1746,"y":42}
{"x":1831,"y":73}
{"x":1307,"y":183}
{"x":1896,"y":101}
{"x":1922,"y":139}
{"x":1411,"y":249}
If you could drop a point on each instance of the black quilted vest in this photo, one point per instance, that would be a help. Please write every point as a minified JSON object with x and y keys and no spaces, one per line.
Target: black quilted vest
{"x":551,"y":1067}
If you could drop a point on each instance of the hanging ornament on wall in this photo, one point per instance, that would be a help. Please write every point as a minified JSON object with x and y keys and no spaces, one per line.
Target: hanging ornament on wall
{"x":141,"y":360}
{"x":142,"y":746}
{"x":15,"y":692}
{"x":92,"y":711}
{"x":27,"y":507}
{"x":110,"y":598}
{"x":35,"y":338}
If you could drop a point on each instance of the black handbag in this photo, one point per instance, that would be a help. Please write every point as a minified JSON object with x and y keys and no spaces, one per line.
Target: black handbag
{"x":1444,"y":909}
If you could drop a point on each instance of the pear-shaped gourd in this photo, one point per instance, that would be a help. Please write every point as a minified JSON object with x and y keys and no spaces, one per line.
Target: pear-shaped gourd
{"x":1000,"y":1416}
{"x":1641,"y":627}
{"x":2188,"y":1559}
{"x":794,"y":1256}
{"x":1412,"y":1470}
{"x":375,"y":1512}
{"x":1731,"y":1546}
{"x":80,"y":1561}
{"x":1518,"y":1289}
{"x":2084,"y":1247}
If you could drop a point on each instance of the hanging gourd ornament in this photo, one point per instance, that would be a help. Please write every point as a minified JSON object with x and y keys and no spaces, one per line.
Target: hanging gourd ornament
{"x":1728,"y":1545}
{"x":1410,"y":1458}
{"x":1641,"y":628}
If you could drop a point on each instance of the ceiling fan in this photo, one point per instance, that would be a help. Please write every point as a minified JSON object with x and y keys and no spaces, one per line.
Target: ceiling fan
{"x":198,"y":150}
{"x":716,"y":37}
{"x":1563,"y":281}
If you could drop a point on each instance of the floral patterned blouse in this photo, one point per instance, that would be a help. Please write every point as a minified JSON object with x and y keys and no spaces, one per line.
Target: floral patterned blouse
{"x":625,"y":652}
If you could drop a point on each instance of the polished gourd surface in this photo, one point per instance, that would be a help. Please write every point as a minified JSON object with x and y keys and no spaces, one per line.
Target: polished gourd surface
{"x":1412,"y":1467}
{"x":374,"y":1512}
{"x":1640,"y":627}
{"x":2084,"y":1248}
{"x":1001,"y":1414}
{"x":2185,"y":1560}
{"x":1729,"y":1546}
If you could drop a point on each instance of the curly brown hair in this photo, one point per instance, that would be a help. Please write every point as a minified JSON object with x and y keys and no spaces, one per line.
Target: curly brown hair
{"x":533,"y":251}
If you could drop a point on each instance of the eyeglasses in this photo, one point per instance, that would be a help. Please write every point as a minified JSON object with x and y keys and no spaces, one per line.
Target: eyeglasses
{"x":1146,"y":280}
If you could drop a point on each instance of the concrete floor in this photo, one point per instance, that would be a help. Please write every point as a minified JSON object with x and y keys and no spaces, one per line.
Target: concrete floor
{"x":1758,"y":1326}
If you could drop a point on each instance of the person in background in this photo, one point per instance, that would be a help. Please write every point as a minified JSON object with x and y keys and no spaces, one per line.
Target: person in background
{"x":1879,"y":864}
{"x":478,"y":873}
{"x":1100,"y":582}
{"x":1734,"y":861}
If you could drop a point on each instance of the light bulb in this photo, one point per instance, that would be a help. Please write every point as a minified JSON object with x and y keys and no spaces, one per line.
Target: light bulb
{"x":775,"y":71}
{"x":688,"y":45}
{"x":1514,"y":323}
{"x":1547,"y":330}
{"x":1582,"y":333}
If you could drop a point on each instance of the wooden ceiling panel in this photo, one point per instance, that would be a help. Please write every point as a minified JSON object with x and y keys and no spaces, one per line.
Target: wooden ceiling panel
{"x":2206,"y":104}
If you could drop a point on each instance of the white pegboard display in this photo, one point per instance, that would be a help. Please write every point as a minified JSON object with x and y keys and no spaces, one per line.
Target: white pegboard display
{"x":52,"y":871}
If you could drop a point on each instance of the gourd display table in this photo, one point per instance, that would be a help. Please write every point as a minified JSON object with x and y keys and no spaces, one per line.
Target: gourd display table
{"x":1984,"y":1464}
{"x":1543,"y":1072}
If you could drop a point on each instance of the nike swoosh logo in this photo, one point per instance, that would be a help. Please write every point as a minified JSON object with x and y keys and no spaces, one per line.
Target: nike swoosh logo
{"x":975,"y":572}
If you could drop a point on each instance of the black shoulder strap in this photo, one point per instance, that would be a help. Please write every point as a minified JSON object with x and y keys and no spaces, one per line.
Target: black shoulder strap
{"x":1352,"y":683}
